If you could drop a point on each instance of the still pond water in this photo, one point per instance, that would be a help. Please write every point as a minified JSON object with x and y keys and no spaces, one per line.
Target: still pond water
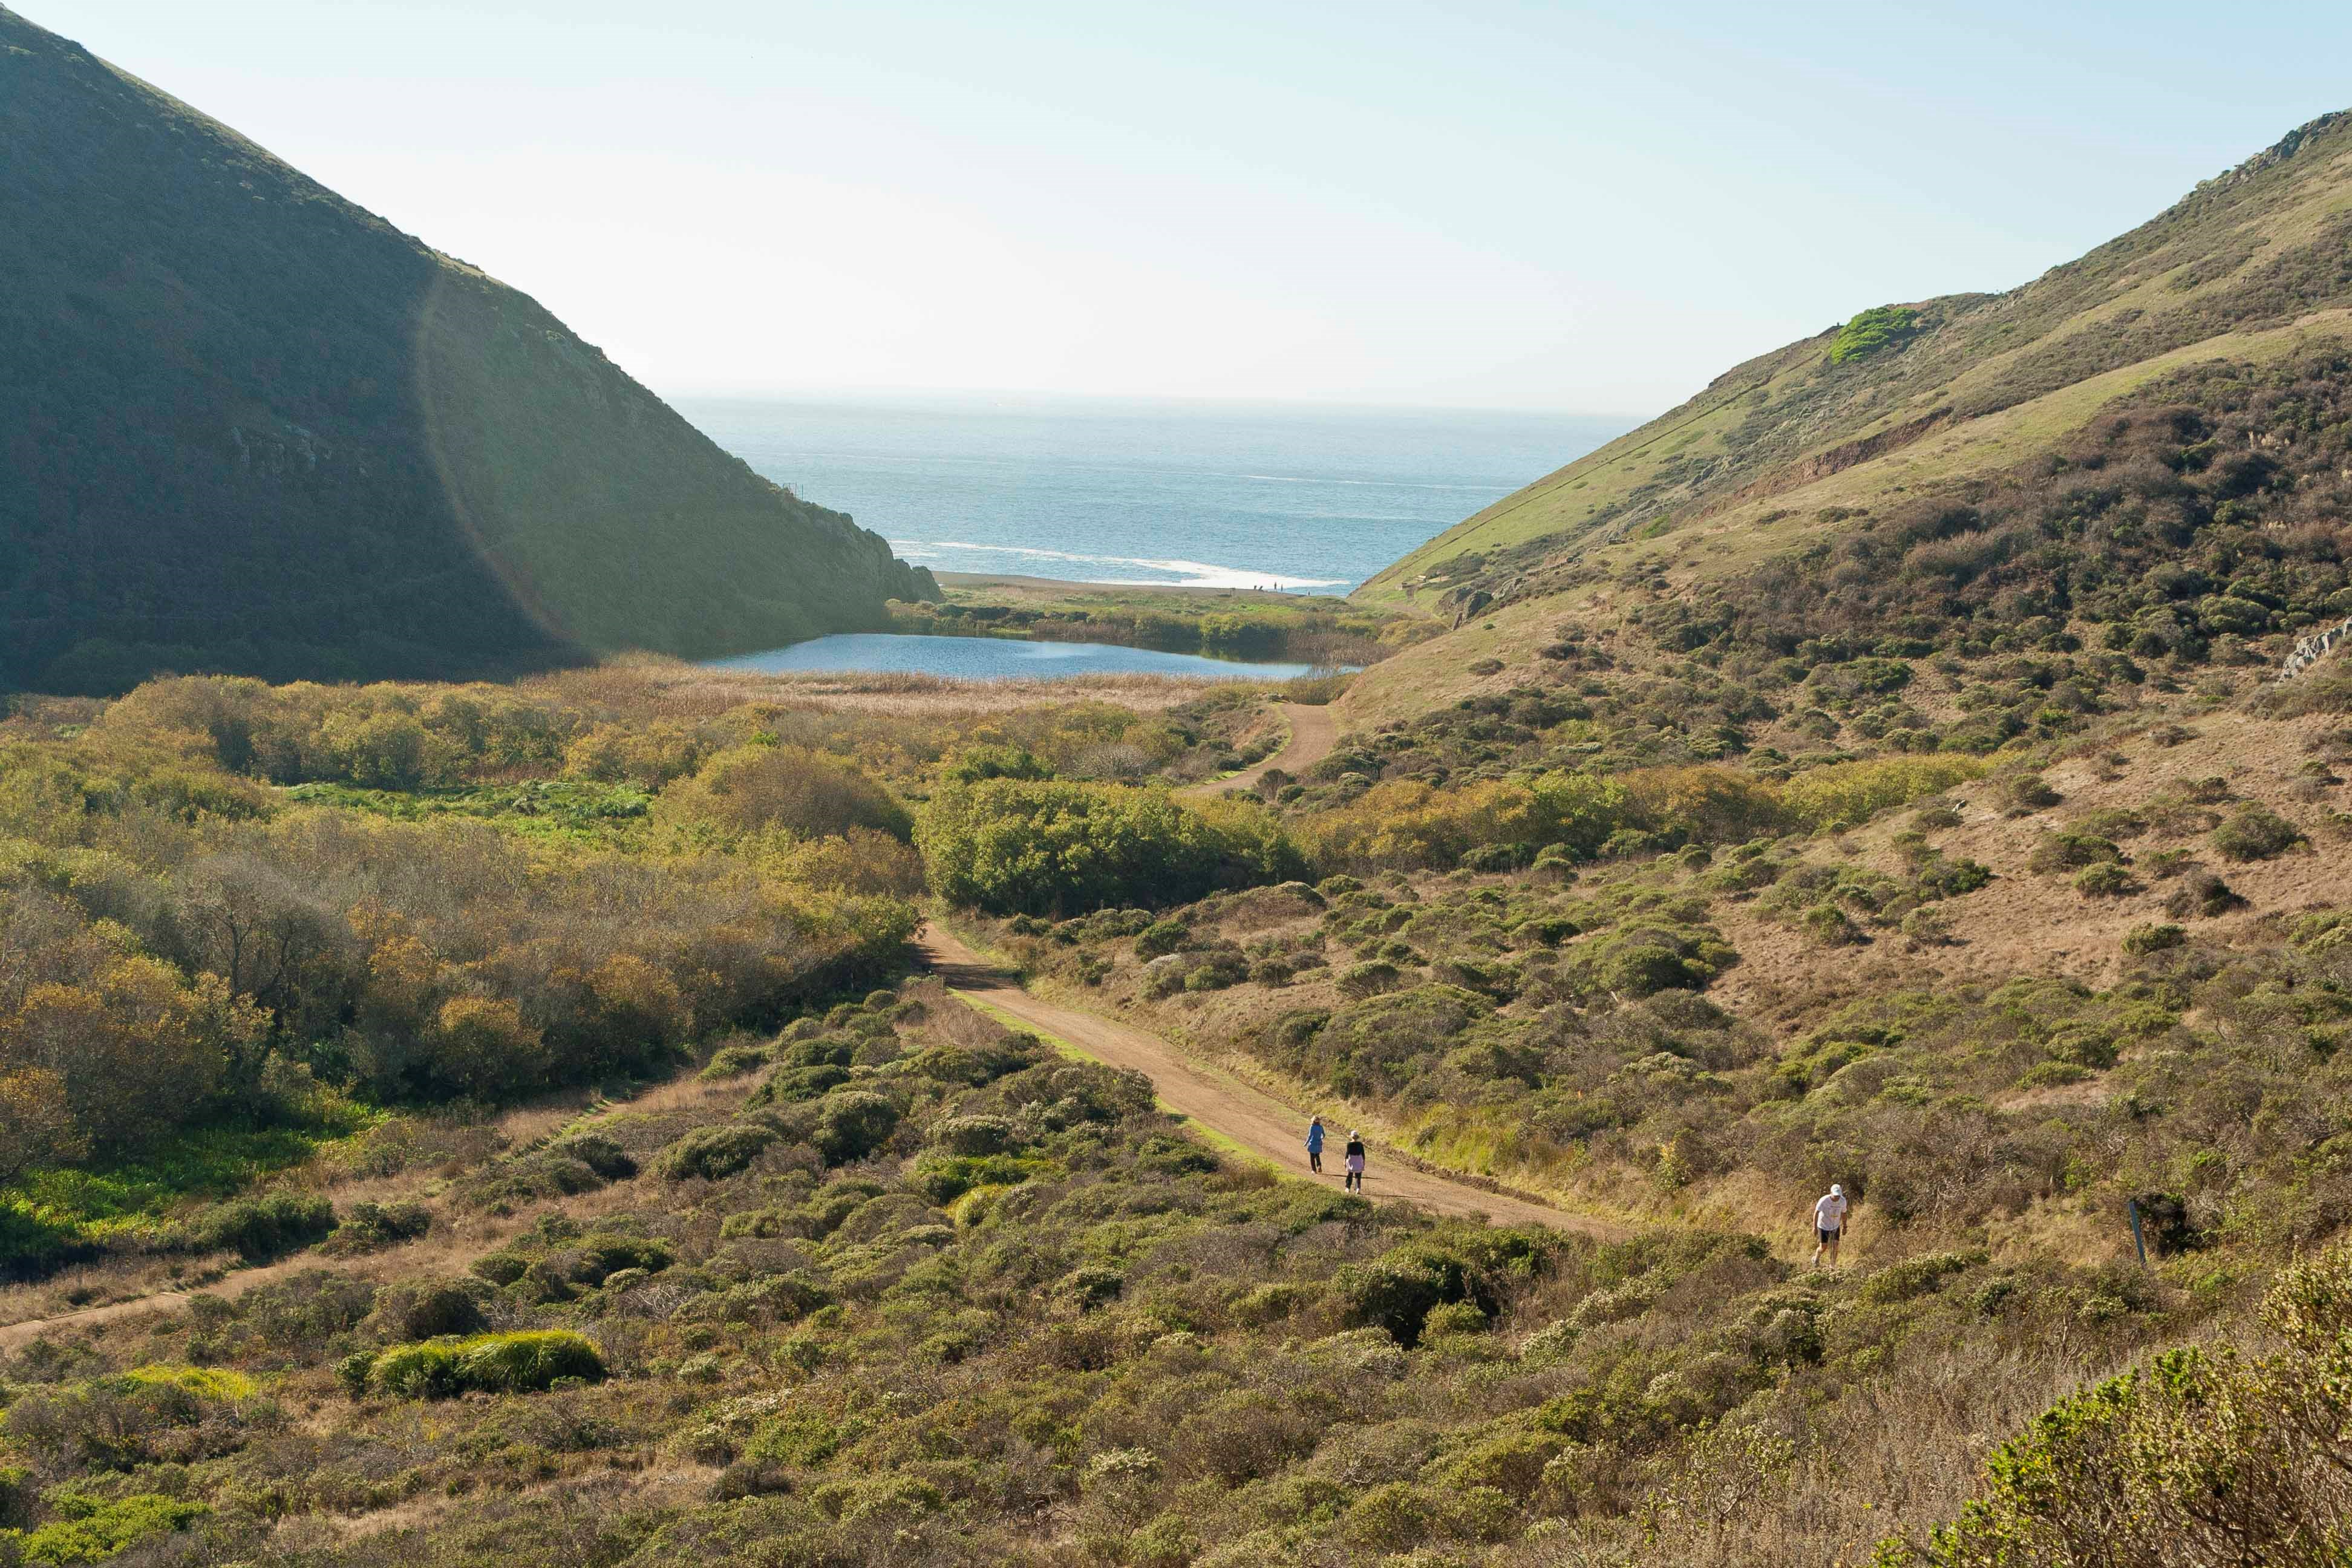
{"x":996,"y":658}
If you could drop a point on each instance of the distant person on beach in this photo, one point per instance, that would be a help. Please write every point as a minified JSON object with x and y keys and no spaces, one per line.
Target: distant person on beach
{"x":1829,"y":1224}
{"x":1314,"y":1145}
{"x":1355,"y":1182}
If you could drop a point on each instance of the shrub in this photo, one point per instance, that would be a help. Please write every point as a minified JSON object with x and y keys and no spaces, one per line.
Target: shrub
{"x":2202,"y":893}
{"x":91,"y":1529}
{"x":2029,"y":792}
{"x":1874,"y":330}
{"x":1022,"y":847}
{"x":1826,"y":925}
{"x":712,"y":1153}
{"x":800,"y":792}
{"x":1490,"y":858}
{"x":523,"y":1362}
{"x":1161,"y":938}
{"x":599,"y":1153}
{"x":1398,"y":1291}
{"x":1929,"y":926}
{"x":372,"y":1228}
{"x":2141,"y":940}
{"x":852,"y":1124}
{"x":1847,"y":795}
{"x":2206,"y":1454}
{"x":257,"y":1228}
{"x":2104,"y":880}
{"x":2057,"y":852}
{"x":2253,"y":832}
{"x":436,"y":1309}
{"x":1359,"y":981}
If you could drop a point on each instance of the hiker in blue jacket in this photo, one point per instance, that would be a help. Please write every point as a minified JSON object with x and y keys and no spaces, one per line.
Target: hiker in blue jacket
{"x":1314,"y":1145}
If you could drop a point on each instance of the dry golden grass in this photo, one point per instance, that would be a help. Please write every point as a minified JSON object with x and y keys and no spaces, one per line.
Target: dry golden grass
{"x":670,"y":688}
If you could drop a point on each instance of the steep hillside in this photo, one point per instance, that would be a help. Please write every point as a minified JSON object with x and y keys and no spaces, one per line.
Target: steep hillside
{"x":2255,"y":266}
{"x":250,"y":426}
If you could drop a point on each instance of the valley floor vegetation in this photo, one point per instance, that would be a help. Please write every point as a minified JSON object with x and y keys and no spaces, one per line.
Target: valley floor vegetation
{"x":621,"y":1202}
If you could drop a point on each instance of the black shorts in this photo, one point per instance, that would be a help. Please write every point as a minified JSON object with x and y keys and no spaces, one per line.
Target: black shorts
{"x":1829,"y":1237}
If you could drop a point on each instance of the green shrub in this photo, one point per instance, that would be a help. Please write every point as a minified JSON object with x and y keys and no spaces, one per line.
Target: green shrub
{"x":852,"y":1124}
{"x":2057,"y":852}
{"x":2202,"y":893}
{"x":1880,"y":328}
{"x":432,"y":1308}
{"x":2106,"y":880}
{"x":712,"y":1153}
{"x":2143,"y":939}
{"x":372,"y":1228}
{"x":1398,"y":1291}
{"x":2207,"y":1454}
{"x":791,"y":1085}
{"x":523,"y":1362}
{"x":2255,"y":832}
{"x":1023,"y":847}
{"x":257,"y":1228}
{"x":90,"y":1530}
{"x":1917,"y":1277}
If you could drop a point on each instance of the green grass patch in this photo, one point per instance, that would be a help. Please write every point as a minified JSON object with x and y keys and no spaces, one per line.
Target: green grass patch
{"x":46,"y":1213}
{"x":574,"y":809}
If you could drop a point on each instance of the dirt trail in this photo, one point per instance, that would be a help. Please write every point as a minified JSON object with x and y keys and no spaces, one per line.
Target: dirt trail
{"x":1314,"y":731}
{"x":1257,"y":1122}
{"x":15,"y":1336}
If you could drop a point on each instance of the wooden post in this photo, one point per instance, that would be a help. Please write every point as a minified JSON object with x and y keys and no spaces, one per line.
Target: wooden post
{"x":2138,"y":1244}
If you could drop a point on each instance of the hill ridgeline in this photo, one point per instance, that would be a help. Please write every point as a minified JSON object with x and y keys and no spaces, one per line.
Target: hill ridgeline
{"x":247,"y":427}
{"x":2249,"y":273}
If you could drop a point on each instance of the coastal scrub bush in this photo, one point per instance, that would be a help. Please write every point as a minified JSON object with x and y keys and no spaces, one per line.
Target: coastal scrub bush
{"x":747,"y":789}
{"x":1879,"y":328}
{"x":2204,"y":1454}
{"x":2253,"y":832}
{"x":1054,"y":848}
{"x":711,"y":1154}
{"x":91,"y":1529}
{"x":257,"y":1228}
{"x":521,"y":1363}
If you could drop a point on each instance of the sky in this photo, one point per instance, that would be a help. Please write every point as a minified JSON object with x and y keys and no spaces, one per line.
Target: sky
{"x":1587,"y":208}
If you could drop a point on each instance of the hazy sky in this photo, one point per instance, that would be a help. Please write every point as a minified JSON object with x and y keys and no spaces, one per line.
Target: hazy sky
{"x":1544,"y":205}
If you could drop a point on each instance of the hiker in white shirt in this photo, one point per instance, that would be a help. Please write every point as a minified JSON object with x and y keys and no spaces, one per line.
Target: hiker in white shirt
{"x":1829,"y":1224}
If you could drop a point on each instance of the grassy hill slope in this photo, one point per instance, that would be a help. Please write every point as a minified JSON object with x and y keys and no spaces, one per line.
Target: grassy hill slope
{"x":250,"y":426}
{"x":2254,"y":264}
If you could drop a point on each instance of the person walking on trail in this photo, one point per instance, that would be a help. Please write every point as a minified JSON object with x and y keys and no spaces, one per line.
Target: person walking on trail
{"x":1829,"y":1224}
{"x":1314,"y":1145}
{"x":1355,"y":1182}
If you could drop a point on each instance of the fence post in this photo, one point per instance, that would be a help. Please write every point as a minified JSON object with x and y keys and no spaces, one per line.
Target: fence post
{"x":2138,"y":1245}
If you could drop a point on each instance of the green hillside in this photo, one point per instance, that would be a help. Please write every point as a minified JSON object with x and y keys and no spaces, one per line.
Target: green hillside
{"x":2255,"y":264}
{"x":250,"y":426}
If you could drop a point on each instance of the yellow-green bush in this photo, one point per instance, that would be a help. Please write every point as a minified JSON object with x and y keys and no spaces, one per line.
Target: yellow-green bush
{"x":524,"y":1363}
{"x":1847,"y":795}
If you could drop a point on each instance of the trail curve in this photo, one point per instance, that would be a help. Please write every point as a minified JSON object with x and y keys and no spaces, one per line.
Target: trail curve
{"x":1256,"y":1120}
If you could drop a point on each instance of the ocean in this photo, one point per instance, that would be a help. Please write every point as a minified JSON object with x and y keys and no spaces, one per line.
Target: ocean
{"x":1207,"y":495}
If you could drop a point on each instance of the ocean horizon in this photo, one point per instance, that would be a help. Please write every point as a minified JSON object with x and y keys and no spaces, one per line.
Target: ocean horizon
{"x":1311,"y":500}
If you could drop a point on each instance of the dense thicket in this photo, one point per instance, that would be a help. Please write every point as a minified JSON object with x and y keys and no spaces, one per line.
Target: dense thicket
{"x":2201,"y":513}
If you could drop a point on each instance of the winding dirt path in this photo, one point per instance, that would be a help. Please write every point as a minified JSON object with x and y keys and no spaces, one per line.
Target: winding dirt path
{"x":1314,"y":731}
{"x":16,"y":1335}
{"x":1226,"y":1106}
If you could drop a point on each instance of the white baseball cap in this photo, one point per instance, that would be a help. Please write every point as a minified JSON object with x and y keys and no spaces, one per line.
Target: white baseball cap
{"x":1836,"y":1191}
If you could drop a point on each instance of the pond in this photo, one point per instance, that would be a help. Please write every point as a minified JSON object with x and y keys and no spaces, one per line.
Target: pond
{"x":996,"y":658}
